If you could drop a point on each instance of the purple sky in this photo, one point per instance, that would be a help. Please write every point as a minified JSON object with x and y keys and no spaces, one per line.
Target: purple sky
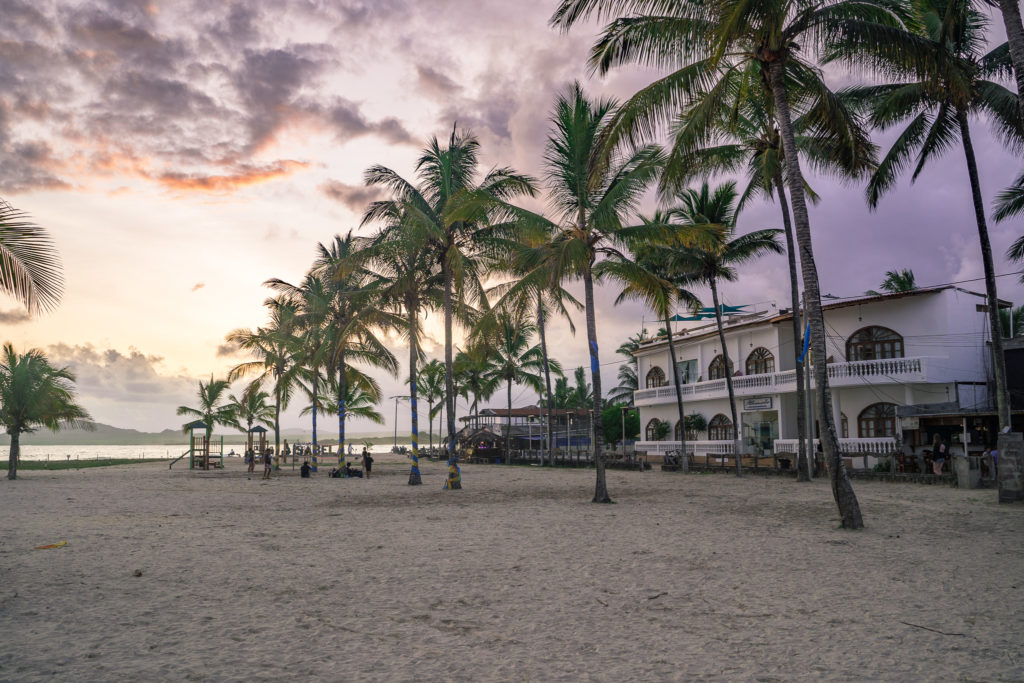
{"x":183,"y":152}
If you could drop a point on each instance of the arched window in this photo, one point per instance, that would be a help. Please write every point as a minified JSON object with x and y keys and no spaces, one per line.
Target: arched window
{"x":874,"y":343}
{"x":652,"y":429}
{"x":717,"y":368}
{"x":760,"y":362}
{"x":878,"y":419}
{"x":720,"y":428}
{"x":656,"y":377}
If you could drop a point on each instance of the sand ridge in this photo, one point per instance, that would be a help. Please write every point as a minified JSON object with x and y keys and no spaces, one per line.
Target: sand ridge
{"x":517,"y":577}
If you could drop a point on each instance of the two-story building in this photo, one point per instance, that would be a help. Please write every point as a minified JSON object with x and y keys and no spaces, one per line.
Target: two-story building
{"x":927,"y":348}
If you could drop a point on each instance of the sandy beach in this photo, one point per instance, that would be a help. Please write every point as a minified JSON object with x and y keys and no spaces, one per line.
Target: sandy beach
{"x":516,"y":577}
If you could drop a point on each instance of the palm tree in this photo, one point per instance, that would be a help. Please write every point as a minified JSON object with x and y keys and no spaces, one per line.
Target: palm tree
{"x":577,"y":397}
{"x":33,"y":394}
{"x":590,"y":201}
{"x":362,"y":396}
{"x":708,"y":264}
{"x":697,"y":41}
{"x":251,"y":407}
{"x":276,"y":349}
{"x":1010,"y":202}
{"x":472,"y":376}
{"x":1016,"y":252}
{"x":516,"y":362}
{"x":431,"y":384}
{"x":896,"y":281}
{"x":650,"y":275}
{"x":628,"y":380}
{"x":30,"y":269}
{"x":1011,"y":321}
{"x":938,"y":106}
{"x":211,"y":410}
{"x":448,"y":217}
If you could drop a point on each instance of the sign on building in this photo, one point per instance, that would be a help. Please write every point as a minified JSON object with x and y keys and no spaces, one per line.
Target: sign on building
{"x":758,"y":403}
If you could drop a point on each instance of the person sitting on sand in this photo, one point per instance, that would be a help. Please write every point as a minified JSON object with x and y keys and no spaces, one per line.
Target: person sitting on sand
{"x":305,"y":469}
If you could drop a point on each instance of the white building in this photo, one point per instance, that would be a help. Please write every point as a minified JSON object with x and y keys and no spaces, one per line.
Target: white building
{"x":927,"y":348}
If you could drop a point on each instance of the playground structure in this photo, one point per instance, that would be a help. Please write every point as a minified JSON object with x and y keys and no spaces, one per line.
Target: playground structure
{"x":198,"y":453}
{"x":256,"y":441}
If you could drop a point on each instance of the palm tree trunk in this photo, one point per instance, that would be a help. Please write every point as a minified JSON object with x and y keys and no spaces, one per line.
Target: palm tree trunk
{"x":449,"y":377}
{"x":684,"y":461}
{"x":601,"y":485}
{"x":547,"y":374}
{"x":277,"y":423}
{"x":1015,"y":38}
{"x":342,"y":392}
{"x":316,"y":376}
{"x":12,"y":459}
{"x":998,"y":359}
{"x":842,"y":491}
{"x":508,"y":432}
{"x":414,"y":471}
{"x":728,"y":379}
{"x":802,"y":474}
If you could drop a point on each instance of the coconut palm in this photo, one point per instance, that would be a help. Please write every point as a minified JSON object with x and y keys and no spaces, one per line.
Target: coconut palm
{"x":628,"y":380}
{"x":515,"y":361}
{"x":362,"y":396}
{"x":276,"y":349}
{"x":1011,"y":321}
{"x":710,"y":263}
{"x":431,"y":384}
{"x":697,"y":41}
{"x":650,"y":275}
{"x":30,"y":269}
{"x":1016,"y":250}
{"x":449,"y":217}
{"x":937,"y":108}
{"x":897,"y":281}
{"x":573,"y":397}
{"x":251,"y":407}
{"x":472,"y":368}
{"x":211,"y":410}
{"x":34,"y":394}
{"x":1010,"y":202}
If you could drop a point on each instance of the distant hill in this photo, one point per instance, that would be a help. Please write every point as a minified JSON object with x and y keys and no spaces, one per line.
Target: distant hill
{"x":116,"y":436}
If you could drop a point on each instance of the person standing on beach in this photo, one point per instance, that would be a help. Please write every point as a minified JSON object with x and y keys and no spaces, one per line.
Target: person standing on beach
{"x":367,"y":462}
{"x":268,"y":463}
{"x":287,"y":451}
{"x":250,"y":460}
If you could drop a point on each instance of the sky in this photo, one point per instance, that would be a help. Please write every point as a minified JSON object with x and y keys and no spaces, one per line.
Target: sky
{"x":181,"y":153}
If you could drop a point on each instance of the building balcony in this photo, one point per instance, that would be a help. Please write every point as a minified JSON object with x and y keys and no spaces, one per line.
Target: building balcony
{"x":848,"y":447}
{"x":855,"y":373}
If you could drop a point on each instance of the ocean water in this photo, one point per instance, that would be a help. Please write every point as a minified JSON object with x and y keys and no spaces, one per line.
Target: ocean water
{"x":161,"y":452}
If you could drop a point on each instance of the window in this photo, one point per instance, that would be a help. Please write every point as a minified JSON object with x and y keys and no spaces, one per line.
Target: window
{"x":720,"y":428}
{"x":679,"y":430}
{"x":874,"y":343}
{"x":717,"y":368}
{"x":686,"y":371}
{"x":760,"y":362}
{"x":878,"y":419}
{"x":656,"y":377}
{"x":653,"y":427}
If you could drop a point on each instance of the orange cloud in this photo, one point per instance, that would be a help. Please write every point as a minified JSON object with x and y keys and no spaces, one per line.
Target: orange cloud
{"x":246,"y":175}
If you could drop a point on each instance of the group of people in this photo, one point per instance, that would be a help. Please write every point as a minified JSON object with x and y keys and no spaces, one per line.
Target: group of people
{"x":267,"y":458}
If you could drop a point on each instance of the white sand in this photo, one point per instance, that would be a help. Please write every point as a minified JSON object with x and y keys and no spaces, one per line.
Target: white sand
{"x":517,"y":577}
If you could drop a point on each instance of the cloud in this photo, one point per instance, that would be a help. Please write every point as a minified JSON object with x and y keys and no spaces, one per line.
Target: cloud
{"x":15,"y":317}
{"x":245,"y":175}
{"x":435,"y":83}
{"x":197,"y":286}
{"x":108,"y":374}
{"x":355,"y":197}
{"x":228,"y":349}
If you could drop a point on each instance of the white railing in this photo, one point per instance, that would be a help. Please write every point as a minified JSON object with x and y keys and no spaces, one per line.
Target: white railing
{"x":873,"y":446}
{"x":887,"y":371}
{"x":695,"y":448}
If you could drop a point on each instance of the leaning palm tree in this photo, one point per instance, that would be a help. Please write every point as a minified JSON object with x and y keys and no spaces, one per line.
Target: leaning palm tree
{"x":937,"y":109}
{"x":697,"y":41}
{"x":650,"y":274}
{"x":590,"y":202}
{"x":515,"y":361}
{"x":448,"y":217}
{"x":30,"y":269}
{"x":211,"y":408}
{"x":710,"y":263}
{"x":34,"y":394}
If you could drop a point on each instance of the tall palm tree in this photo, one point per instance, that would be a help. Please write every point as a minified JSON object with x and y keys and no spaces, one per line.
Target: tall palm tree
{"x":276,"y":348}
{"x":515,"y":361}
{"x":448,"y":216}
{"x":937,"y":109}
{"x":697,"y":41}
{"x":362,"y":396}
{"x":590,"y":202}
{"x":650,"y":274}
{"x":353,"y":318}
{"x":251,"y":407}
{"x":431,"y":384}
{"x":34,"y":394}
{"x":708,"y":264}
{"x":30,"y":269}
{"x":211,"y":408}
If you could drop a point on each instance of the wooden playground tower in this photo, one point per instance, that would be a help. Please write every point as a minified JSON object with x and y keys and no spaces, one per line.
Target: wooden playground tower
{"x":257,"y":441}
{"x":199,"y":449}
